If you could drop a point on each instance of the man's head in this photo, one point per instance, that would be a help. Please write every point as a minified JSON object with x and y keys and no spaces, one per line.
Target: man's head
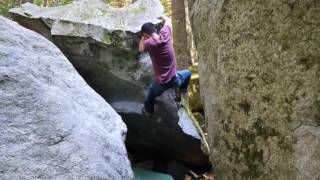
{"x":148,"y":29}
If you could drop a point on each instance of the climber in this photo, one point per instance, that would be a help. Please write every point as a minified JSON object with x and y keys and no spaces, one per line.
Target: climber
{"x":160,"y":48}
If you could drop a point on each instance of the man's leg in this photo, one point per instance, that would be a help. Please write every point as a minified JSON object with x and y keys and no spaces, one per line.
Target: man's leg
{"x":154,"y":91}
{"x":184,"y":77}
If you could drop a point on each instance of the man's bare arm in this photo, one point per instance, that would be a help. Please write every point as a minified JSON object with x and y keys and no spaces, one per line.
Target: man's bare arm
{"x":141,"y":45}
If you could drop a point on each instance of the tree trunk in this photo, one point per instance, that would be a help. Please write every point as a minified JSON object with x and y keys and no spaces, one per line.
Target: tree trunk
{"x":45,"y":2}
{"x":180,"y":34}
{"x":24,"y":1}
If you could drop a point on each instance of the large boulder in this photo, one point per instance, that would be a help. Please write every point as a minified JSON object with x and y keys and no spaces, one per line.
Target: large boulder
{"x":53,"y":125}
{"x":99,"y":40}
{"x":168,"y":135}
{"x":259,"y":78}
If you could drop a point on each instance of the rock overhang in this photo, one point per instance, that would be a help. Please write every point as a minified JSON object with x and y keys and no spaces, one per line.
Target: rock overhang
{"x":93,"y":34}
{"x":97,"y":13}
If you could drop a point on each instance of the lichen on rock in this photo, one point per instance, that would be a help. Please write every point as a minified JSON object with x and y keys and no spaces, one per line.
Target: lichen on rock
{"x":259,"y":78}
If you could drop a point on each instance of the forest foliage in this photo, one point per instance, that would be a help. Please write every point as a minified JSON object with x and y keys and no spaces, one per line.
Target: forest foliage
{"x":6,"y":5}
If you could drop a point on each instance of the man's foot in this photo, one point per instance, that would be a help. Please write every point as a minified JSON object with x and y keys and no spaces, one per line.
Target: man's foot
{"x":144,"y":112}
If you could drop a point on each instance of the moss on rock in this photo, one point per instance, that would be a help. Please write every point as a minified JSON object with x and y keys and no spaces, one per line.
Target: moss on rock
{"x":194,"y":90}
{"x":259,"y":77}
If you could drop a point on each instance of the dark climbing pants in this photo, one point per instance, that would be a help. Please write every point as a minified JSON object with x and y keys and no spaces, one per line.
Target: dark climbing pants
{"x":181,"y":80}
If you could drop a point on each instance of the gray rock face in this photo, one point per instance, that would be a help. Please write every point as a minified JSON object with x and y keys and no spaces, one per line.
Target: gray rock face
{"x":259,"y":78}
{"x":103,"y":47}
{"x":53,"y":125}
{"x":307,"y":152}
{"x":99,"y":40}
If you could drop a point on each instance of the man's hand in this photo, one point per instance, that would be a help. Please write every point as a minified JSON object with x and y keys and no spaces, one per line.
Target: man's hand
{"x":166,"y":20}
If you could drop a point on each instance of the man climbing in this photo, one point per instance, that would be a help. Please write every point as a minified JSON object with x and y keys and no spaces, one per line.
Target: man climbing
{"x":160,"y":48}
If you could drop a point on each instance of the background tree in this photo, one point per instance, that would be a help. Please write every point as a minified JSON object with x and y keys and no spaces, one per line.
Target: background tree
{"x":180,"y":34}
